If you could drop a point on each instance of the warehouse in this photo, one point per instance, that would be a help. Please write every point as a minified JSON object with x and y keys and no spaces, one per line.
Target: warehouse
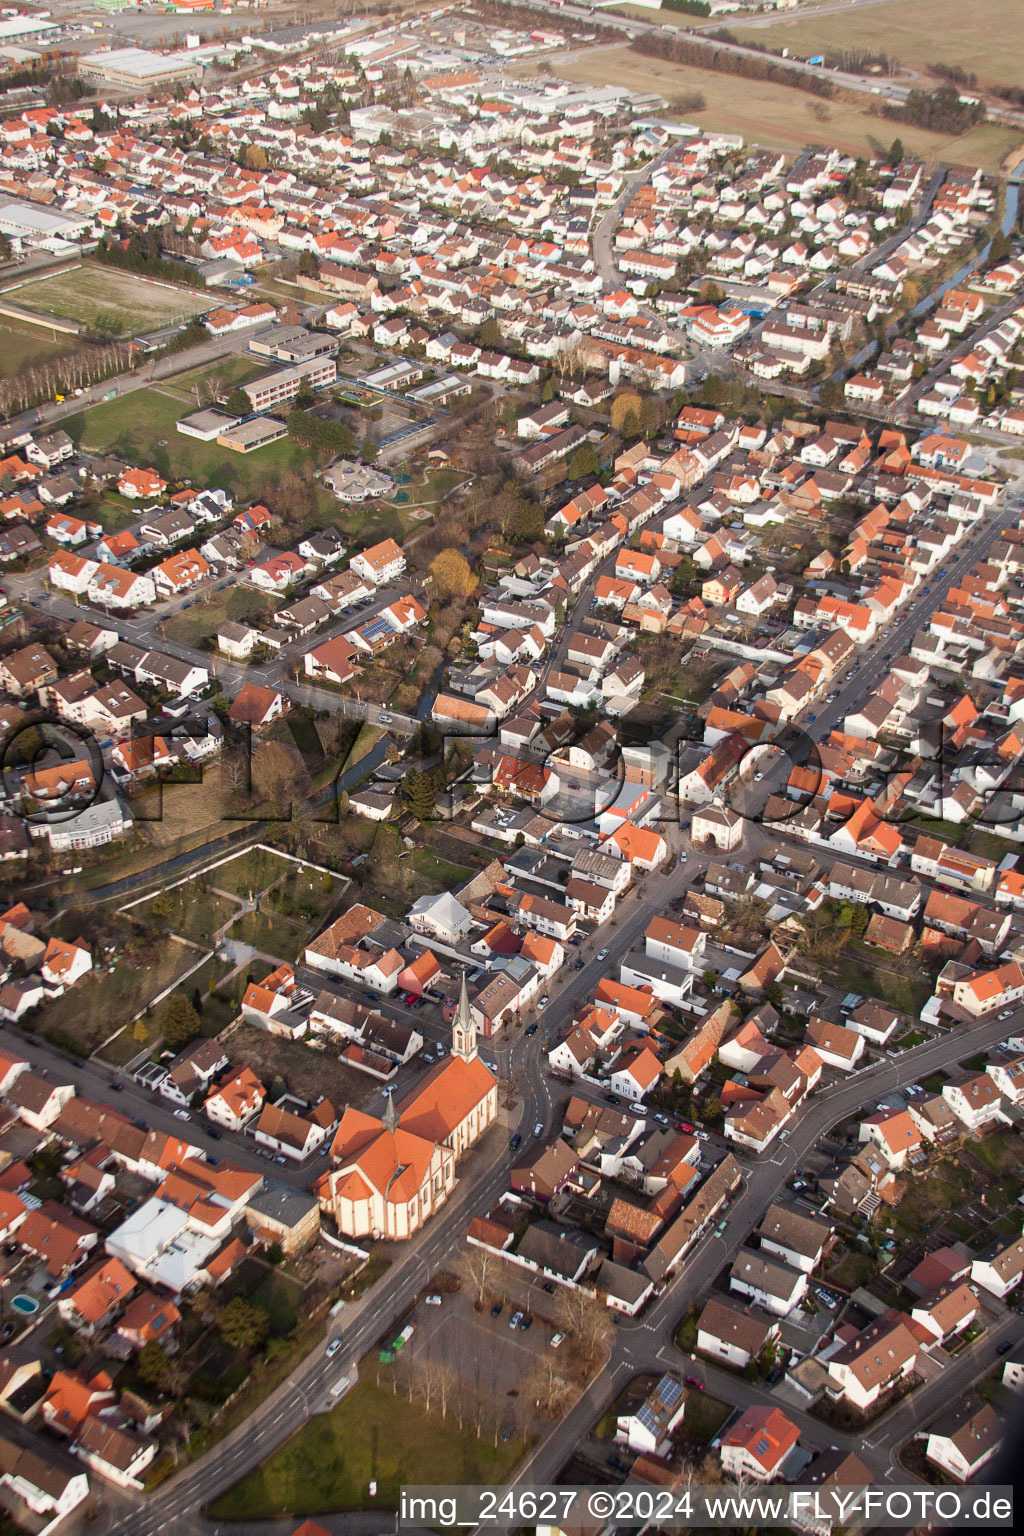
{"x":138,"y":69}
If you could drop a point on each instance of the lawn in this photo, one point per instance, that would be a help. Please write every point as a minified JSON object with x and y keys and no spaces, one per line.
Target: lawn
{"x":224,"y":375}
{"x":141,"y":427}
{"x":242,"y":604}
{"x":371,"y":1435}
{"x":861,"y":970}
{"x":280,"y":1296}
{"x":776,"y":115}
{"x":30,"y":346}
{"x":704,"y":1416}
{"x":104,"y":299}
{"x":438,"y":871}
{"x":190,"y":910}
{"x":270,"y":933}
{"x":916,"y":32}
{"x":251,"y":872}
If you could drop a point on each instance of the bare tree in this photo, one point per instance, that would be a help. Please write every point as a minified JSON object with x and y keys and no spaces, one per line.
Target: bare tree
{"x":477,"y":1268}
{"x":585,"y":1322}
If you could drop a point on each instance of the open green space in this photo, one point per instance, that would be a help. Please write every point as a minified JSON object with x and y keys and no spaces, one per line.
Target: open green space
{"x":90,"y":1011}
{"x":191,"y":910}
{"x":372,"y":1435}
{"x":987,"y":41}
{"x":103,"y":298}
{"x":250,"y":873}
{"x":141,"y":427}
{"x":30,"y":346}
{"x":784,"y":118}
{"x":860,"y":969}
{"x":270,"y":933}
{"x":226,"y":374}
{"x":190,"y":626}
{"x":446,"y":876}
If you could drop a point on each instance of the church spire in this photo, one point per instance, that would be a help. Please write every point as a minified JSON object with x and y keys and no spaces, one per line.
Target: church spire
{"x":389,"y":1119}
{"x":464,"y":1030}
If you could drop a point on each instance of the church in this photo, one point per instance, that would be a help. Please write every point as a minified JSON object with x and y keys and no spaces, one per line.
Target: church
{"x":390,"y":1175}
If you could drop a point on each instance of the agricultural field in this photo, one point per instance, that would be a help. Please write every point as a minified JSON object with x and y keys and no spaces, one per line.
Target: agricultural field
{"x":916,"y":32}
{"x":101,"y":298}
{"x":773,"y":115}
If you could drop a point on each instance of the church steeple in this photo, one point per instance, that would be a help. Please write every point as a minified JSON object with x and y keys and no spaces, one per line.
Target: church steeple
{"x":463,"y":1029}
{"x":389,"y":1119}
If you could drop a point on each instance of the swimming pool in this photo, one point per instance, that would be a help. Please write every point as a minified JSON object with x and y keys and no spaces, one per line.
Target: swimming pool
{"x":26,"y":1305}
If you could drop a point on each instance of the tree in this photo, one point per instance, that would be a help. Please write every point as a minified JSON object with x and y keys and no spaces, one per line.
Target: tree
{"x":625,"y":406}
{"x":369,"y":450}
{"x":243,"y":1324}
{"x":254,"y":157}
{"x":420,"y":794}
{"x":152,"y":1363}
{"x":162,"y":906}
{"x":583,"y":462}
{"x":238,"y":403}
{"x":587,"y":1326}
{"x":477,"y":1268}
{"x":179,"y":1022}
{"x":308,"y":265}
{"x":452,"y":574}
{"x":489,"y":334}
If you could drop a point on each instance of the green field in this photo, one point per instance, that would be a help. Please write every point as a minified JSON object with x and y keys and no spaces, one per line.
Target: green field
{"x":141,"y":426}
{"x":372,"y":1434}
{"x":104,"y":299}
{"x":987,"y":41}
{"x":190,"y":626}
{"x":28,"y":346}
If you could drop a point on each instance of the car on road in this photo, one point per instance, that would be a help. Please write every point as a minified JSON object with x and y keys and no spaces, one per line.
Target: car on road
{"x":685,"y":1127}
{"x":515,"y":1143}
{"x":538,"y":1129}
{"x":661,"y":1119}
{"x":531,"y":1029}
{"x":579,"y":965}
{"x":117,"y":1087}
{"x":695,"y":1382}
{"x":639,"y":1111}
{"x":332,"y":1348}
{"x":282,"y":1162}
{"x":213,"y":1134}
{"x":182,"y":1114}
{"x":602,"y":954}
{"x":758,"y":777}
{"x":612,"y":1098}
{"x":1005,"y":1347}
{"x":386,"y":719}
{"x":701,"y":1134}
{"x":515,"y":1319}
{"x":1007,"y":1013}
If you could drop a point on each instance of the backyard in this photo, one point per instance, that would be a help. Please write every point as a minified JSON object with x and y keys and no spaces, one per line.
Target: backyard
{"x":371,"y":1436}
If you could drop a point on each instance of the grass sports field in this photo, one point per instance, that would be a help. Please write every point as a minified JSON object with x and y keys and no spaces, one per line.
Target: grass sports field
{"x":775,"y":115}
{"x":105,"y":299}
{"x":986,"y":40}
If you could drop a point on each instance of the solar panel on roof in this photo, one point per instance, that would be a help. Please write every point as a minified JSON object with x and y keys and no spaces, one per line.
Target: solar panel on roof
{"x":647,"y":1419}
{"x":669,"y":1390}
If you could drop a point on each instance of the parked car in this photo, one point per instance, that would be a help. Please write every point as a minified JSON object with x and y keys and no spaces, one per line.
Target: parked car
{"x":695,"y":1382}
{"x":182,"y":1114}
{"x":544,"y":1000}
{"x":433,"y":1300}
{"x":1005,"y":1347}
{"x":701,"y":1134}
{"x":515,"y":1143}
{"x":496,"y":1309}
{"x":526,"y":1321}
{"x":556,"y":1339}
{"x":538,"y":1129}
{"x":531,"y":1029}
{"x":602,"y":954}
{"x":685,"y":1127}
{"x":515,"y":1319}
